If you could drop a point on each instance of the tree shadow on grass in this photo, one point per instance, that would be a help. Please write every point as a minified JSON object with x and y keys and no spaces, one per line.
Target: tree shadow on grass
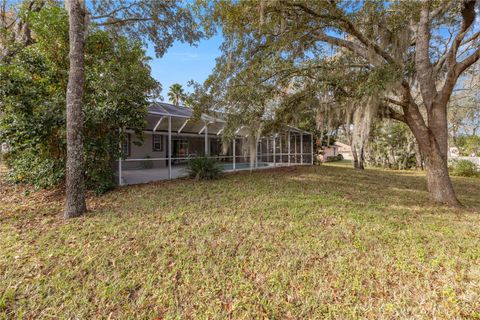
{"x":385,"y":187}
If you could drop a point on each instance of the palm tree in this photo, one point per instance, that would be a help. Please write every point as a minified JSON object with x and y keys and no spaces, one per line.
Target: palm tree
{"x":188,"y":102}
{"x":176,"y":94}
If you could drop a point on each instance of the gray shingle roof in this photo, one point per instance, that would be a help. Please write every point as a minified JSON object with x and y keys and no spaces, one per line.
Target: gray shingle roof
{"x":167,"y":109}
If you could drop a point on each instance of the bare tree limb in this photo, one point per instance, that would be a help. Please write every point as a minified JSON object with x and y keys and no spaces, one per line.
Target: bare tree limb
{"x":393,"y":114}
{"x":112,"y":13}
{"x":123,"y":21}
{"x":395,"y":102}
{"x":422,"y":58}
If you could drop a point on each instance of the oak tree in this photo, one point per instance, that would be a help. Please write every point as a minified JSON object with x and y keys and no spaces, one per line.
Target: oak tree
{"x":405,"y":59}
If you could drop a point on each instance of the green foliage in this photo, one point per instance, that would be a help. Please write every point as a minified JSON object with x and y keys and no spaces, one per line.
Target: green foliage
{"x":465,"y":168}
{"x":147,"y":164}
{"x":32,"y":104}
{"x":334,"y":158}
{"x":33,"y":168}
{"x":469,"y":145}
{"x":391,"y":145}
{"x":204,"y":168}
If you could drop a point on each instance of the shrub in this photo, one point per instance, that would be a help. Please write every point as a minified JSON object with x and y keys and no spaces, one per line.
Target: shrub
{"x":118,"y":85}
{"x":148,"y":164}
{"x":334,"y":158}
{"x":465,"y":168}
{"x":33,"y":169}
{"x":204,"y":168}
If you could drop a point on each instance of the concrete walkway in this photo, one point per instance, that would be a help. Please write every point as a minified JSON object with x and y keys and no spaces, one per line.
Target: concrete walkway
{"x":138,"y":176}
{"x":149,"y":175}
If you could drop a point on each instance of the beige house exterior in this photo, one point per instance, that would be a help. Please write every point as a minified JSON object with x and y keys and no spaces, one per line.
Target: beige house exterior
{"x":344,"y":149}
{"x":172,"y":136}
{"x":335,"y":149}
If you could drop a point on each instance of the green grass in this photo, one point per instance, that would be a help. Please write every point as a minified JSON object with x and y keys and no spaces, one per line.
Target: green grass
{"x":323,"y":242}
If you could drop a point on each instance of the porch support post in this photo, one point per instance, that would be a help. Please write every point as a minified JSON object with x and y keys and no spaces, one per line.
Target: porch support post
{"x":301,"y":148}
{"x":288,"y":143}
{"x":169,"y":147}
{"x":268,"y":149}
{"x":120,"y":160}
{"x":274,"y":150}
{"x":281,"y":154}
{"x":295,"y":146}
{"x":234,"y":155}
{"x":206,"y":139}
{"x":256,"y":154}
{"x":311,"y":147}
{"x":120,"y":171}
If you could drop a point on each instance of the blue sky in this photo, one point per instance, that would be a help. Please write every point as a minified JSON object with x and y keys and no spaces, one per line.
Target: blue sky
{"x":183,"y":63}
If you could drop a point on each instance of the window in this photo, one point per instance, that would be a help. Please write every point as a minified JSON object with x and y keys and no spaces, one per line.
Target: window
{"x":157,"y":142}
{"x":126,"y":146}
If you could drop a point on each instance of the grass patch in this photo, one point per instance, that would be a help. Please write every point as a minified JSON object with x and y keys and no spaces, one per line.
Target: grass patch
{"x":324,"y":242}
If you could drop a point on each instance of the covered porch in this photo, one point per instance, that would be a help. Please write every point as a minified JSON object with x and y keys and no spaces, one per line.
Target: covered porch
{"x":173,"y":136}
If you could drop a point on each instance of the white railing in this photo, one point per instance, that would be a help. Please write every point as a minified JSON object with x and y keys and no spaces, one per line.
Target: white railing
{"x":234,"y":163}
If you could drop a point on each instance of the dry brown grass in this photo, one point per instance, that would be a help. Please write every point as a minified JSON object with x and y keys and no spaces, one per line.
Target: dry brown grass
{"x":323,"y":242}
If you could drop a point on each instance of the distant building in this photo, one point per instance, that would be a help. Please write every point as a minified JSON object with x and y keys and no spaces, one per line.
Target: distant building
{"x":335,"y":149}
{"x":344,"y":149}
{"x":453,"y":152}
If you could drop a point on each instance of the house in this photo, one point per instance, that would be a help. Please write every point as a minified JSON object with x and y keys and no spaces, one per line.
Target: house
{"x":328,"y":152}
{"x":335,"y":149}
{"x":453,"y":152}
{"x":344,"y":149}
{"x":172,"y":136}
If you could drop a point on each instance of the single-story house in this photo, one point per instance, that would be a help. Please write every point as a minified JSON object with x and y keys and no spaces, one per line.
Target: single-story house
{"x":335,"y":149}
{"x":172,"y":136}
{"x":344,"y":149}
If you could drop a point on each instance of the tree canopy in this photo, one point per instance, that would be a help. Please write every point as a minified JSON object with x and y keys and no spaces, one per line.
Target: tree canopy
{"x":33,"y":88}
{"x":351,"y":61}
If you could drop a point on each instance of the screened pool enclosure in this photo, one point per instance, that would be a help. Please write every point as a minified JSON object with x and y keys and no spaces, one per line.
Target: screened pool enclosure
{"x":172,"y":137}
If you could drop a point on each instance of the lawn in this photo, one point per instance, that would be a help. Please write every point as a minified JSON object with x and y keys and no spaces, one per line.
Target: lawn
{"x":324,"y":242}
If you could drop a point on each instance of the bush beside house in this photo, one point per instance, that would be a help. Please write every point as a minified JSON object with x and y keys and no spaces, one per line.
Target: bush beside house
{"x":464,"y":168}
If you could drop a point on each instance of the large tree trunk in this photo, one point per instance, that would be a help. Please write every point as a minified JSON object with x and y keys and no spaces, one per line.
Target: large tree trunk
{"x":355,"y":156}
{"x":418,"y":157}
{"x":75,"y":186}
{"x":439,"y":185}
{"x":361,"y":159}
{"x":358,"y":158}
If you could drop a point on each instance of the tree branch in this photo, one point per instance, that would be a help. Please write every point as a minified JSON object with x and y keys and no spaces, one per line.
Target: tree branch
{"x":344,"y":44}
{"x":112,"y":13}
{"x":455,"y":68}
{"x":350,"y":28}
{"x":467,"y":62}
{"x":422,"y":58}
{"x":123,"y":21}
{"x":393,"y":114}
{"x":468,"y":16}
{"x":395,"y":102}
